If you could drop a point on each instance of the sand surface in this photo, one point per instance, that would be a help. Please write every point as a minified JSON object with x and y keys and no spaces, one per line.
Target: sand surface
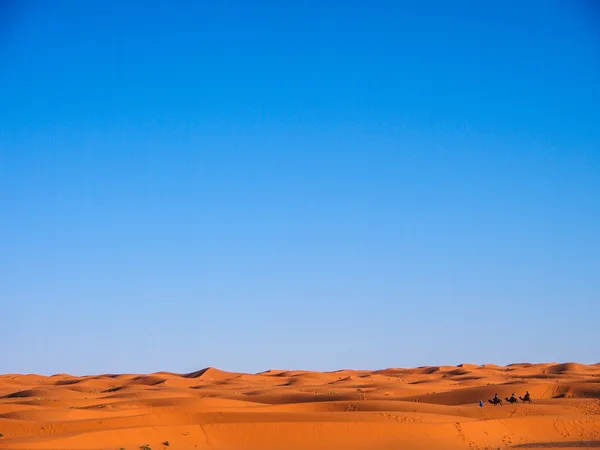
{"x":422,"y":408}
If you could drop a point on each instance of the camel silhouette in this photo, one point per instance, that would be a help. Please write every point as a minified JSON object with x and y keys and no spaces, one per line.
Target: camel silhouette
{"x":526,"y":399}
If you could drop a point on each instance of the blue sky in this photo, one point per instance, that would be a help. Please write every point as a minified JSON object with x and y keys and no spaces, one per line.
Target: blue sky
{"x":316,"y":185}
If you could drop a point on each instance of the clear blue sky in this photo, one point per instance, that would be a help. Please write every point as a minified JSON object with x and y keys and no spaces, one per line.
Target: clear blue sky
{"x":317,"y":185}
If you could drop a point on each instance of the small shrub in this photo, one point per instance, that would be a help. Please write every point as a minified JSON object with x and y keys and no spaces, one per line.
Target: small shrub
{"x":166,"y":443}
{"x":145,"y":447}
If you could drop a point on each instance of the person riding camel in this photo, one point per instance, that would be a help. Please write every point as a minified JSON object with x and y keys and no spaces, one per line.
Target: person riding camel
{"x":526,"y":398}
{"x":513,"y":397}
{"x":496,"y":400}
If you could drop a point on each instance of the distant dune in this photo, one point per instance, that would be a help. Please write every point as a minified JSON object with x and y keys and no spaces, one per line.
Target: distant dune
{"x":434,"y":407}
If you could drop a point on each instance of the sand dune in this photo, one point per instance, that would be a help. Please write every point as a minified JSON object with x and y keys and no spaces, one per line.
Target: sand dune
{"x":422,"y":408}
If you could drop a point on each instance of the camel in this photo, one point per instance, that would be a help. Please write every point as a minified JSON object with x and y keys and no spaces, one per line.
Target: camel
{"x":496,"y":401}
{"x":527,"y":399}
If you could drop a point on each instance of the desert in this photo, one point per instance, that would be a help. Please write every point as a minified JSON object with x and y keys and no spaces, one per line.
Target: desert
{"x":432,"y":407}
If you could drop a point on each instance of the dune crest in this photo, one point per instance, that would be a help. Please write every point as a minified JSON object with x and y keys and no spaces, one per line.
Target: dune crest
{"x":210,"y":373}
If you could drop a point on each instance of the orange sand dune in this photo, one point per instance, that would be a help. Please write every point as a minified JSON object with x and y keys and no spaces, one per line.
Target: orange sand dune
{"x":423,"y":408}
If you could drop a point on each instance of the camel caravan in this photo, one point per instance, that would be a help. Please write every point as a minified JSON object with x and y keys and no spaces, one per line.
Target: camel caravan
{"x":513,"y":399}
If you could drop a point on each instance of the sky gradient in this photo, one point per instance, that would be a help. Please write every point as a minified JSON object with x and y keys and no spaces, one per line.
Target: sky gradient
{"x":315,"y":185}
